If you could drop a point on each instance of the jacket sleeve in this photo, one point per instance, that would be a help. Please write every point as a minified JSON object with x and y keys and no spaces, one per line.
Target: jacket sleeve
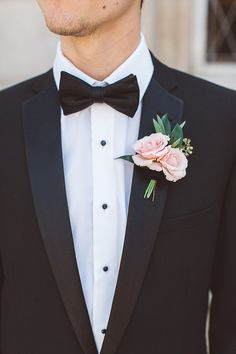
{"x":222,"y":331}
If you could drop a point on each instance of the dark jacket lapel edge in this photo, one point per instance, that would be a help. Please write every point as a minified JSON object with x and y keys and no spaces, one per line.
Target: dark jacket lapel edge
{"x":144,"y":218}
{"x":42,"y":132}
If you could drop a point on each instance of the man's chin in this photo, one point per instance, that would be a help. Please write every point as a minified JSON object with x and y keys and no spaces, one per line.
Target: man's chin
{"x":61,"y":31}
{"x":67,"y":29}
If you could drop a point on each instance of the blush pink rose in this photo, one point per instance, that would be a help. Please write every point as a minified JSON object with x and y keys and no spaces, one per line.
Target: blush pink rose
{"x":151,"y":147}
{"x":174,"y":164}
{"x":140,"y":161}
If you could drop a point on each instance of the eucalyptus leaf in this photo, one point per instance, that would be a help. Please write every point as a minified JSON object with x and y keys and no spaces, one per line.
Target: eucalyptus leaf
{"x":166,"y":115}
{"x":126,"y":158}
{"x":166,"y":123}
{"x":157,"y":126}
{"x":161,"y":124}
{"x":177,"y":143}
{"x":182,"y":124}
{"x":177,"y":133}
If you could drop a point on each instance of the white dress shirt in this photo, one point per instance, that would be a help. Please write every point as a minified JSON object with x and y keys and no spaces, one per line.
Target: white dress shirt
{"x":98,"y":186}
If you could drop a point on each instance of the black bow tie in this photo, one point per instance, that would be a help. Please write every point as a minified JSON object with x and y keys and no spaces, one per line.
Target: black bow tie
{"x":76,"y":95}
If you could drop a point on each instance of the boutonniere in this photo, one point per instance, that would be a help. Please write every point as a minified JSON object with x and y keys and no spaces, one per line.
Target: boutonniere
{"x":164,"y":151}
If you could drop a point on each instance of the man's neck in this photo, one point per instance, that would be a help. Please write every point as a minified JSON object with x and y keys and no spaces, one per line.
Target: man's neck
{"x":99,"y":54}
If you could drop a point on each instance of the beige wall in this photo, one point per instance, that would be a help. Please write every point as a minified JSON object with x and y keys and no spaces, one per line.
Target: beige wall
{"x":26,"y":47}
{"x":170,"y":30}
{"x":175,"y":31}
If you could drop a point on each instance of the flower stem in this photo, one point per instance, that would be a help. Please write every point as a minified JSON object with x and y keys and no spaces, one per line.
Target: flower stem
{"x":151,"y":190}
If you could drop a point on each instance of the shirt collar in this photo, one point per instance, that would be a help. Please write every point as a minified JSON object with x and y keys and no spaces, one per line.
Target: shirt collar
{"x":139,"y":63}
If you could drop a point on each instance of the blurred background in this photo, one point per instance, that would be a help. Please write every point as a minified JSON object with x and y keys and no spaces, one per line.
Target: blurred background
{"x":197,"y":36}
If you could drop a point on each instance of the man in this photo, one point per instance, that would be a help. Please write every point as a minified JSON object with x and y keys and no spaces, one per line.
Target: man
{"x":87,"y":264}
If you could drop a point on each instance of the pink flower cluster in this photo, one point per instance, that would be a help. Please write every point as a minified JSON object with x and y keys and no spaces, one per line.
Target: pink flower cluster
{"x":154,"y":152}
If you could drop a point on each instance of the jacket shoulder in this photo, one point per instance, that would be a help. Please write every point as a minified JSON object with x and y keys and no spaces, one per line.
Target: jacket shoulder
{"x":214,"y":103}
{"x":17,"y":93}
{"x":202,"y":86}
{"x":188,"y":85}
{"x":205,"y":97}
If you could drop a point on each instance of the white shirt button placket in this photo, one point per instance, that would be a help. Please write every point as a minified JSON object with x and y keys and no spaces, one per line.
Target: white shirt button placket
{"x":104,"y":215}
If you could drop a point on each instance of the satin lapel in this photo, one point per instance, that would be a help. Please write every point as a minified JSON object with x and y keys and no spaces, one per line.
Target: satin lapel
{"x":144,"y":217}
{"x":41,"y":119}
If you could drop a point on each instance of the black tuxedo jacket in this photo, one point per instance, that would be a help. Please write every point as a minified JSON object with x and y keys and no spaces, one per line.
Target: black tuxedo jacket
{"x":176,"y":249}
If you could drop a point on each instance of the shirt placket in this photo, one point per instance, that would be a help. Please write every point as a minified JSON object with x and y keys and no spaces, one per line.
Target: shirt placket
{"x":104,"y":217}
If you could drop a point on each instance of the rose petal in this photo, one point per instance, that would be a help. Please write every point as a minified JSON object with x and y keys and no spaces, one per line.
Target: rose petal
{"x":140,"y":161}
{"x":173,"y":177}
{"x":152,"y":146}
{"x":155,"y":166}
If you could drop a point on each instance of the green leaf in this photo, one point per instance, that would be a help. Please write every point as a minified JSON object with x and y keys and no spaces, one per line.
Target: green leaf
{"x":161,"y":124}
{"x":166,"y":123}
{"x":157,"y":127}
{"x":177,"y":133}
{"x":182,"y":124}
{"x":126,"y":158}
{"x":177,"y":143}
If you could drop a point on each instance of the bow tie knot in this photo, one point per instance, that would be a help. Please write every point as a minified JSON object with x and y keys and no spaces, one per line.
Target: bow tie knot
{"x":76,"y":95}
{"x":98,"y":93}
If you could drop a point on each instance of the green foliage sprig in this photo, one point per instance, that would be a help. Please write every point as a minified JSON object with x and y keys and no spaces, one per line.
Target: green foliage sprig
{"x":177,"y":140}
